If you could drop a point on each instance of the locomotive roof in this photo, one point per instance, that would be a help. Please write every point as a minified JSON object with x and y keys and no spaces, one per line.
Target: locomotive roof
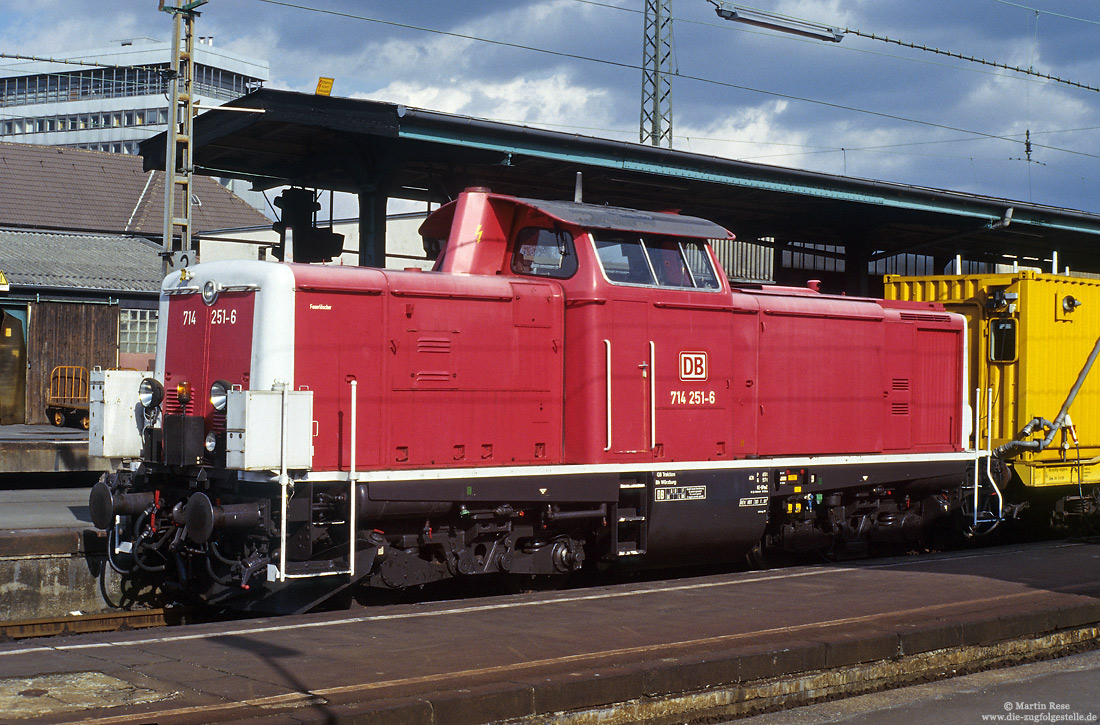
{"x":595,"y":216}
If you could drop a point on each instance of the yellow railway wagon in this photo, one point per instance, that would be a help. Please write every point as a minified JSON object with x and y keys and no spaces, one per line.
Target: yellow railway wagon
{"x":1030,"y":337}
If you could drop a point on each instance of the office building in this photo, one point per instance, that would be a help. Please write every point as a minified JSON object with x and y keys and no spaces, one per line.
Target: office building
{"x":112,"y":98}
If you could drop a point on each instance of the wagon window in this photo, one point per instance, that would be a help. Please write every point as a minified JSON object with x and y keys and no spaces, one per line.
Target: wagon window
{"x":623,"y":259}
{"x":544,"y":253}
{"x":1002,"y":340}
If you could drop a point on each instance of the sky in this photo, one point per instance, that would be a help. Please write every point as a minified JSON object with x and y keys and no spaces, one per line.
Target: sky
{"x":862,"y":107}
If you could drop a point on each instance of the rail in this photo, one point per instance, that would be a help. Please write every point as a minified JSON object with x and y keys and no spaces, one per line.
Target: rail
{"x":89,"y":623}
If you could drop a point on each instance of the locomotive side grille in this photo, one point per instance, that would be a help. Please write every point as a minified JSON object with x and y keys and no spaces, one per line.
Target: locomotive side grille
{"x":217,"y":421}
{"x":900,"y":384}
{"x":172,"y":405}
{"x":899,"y":409}
{"x":433,"y":376}
{"x":924,"y":317}
{"x":433,"y":344}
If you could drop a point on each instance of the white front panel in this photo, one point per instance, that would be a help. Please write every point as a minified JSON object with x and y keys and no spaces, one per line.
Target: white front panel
{"x":254,"y":422}
{"x":116,"y":416}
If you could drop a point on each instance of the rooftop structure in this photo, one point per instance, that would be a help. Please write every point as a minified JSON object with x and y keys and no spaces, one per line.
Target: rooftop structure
{"x":110,"y":99}
{"x":64,"y":189}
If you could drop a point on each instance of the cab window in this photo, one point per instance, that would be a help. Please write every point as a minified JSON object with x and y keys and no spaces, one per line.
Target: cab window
{"x":668,"y":263}
{"x":544,"y":253}
{"x":698,"y":261}
{"x":623,"y":259}
{"x":655,"y":260}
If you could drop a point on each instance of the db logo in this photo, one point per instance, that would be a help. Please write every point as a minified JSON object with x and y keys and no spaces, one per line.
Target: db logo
{"x":693,"y":366}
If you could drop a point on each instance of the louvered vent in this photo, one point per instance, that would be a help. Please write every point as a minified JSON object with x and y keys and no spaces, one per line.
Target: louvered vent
{"x":433,"y":344}
{"x":924,"y":317}
{"x":172,"y":405}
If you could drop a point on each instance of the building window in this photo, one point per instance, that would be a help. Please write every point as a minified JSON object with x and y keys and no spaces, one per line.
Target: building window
{"x":137,"y":331}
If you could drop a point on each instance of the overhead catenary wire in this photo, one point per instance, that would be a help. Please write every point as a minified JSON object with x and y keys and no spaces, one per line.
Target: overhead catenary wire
{"x":833,"y":48}
{"x":1048,"y":12}
{"x":636,"y":67}
{"x":971,"y":59}
{"x":89,"y":65}
{"x":936,"y":51}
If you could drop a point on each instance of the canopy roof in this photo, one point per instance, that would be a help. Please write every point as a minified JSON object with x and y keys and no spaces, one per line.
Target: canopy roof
{"x":385,"y":150}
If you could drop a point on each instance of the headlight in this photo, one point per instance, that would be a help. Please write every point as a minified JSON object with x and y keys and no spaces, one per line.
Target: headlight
{"x":150,"y":393}
{"x":211,"y":441}
{"x":210,"y":292}
{"x":219,"y":395}
{"x":183,"y":393}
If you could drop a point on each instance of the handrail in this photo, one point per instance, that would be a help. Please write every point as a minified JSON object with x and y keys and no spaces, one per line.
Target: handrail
{"x":607,"y":346}
{"x":652,"y":396}
{"x":284,"y":485}
{"x":989,"y":452}
{"x":351,"y":479}
{"x":977,"y":448}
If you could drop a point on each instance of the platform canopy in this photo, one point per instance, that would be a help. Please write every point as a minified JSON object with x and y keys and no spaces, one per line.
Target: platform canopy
{"x":381,"y":150}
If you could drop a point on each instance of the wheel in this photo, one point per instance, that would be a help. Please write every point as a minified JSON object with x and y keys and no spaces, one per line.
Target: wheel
{"x":83,"y":421}
{"x":57,"y":417}
{"x":758,"y":558}
{"x":530,"y":583}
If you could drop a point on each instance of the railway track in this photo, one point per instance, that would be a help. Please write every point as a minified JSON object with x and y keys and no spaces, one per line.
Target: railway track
{"x":89,"y":623}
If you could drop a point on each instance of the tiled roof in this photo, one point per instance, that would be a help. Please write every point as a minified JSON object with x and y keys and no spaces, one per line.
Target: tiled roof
{"x":66,"y":189}
{"x":80,"y":261}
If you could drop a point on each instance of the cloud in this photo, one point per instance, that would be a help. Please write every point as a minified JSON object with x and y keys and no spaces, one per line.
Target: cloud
{"x":554,"y":100}
{"x":745,"y":133}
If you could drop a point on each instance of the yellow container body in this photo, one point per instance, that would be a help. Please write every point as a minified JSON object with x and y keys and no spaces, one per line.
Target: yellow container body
{"x":1029,"y":337}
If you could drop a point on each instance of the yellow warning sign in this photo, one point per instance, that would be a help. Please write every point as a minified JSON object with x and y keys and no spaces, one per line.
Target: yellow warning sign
{"x":324,"y":86}
{"x":4,"y":287}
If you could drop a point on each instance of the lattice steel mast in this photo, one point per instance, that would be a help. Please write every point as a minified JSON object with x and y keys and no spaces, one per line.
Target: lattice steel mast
{"x":178,"y":168}
{"x":656,"y":118}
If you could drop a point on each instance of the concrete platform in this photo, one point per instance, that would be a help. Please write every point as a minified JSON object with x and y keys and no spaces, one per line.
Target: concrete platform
{"x":26,"y":449}
{"x":624,"y":653}
{"x":51,"y":557}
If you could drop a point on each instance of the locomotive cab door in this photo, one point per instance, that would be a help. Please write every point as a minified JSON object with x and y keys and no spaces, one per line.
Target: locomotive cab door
{"x":630,"y":362}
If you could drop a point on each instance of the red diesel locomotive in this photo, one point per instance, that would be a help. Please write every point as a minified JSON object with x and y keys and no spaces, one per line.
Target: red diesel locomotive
{"x":572,"y":385}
